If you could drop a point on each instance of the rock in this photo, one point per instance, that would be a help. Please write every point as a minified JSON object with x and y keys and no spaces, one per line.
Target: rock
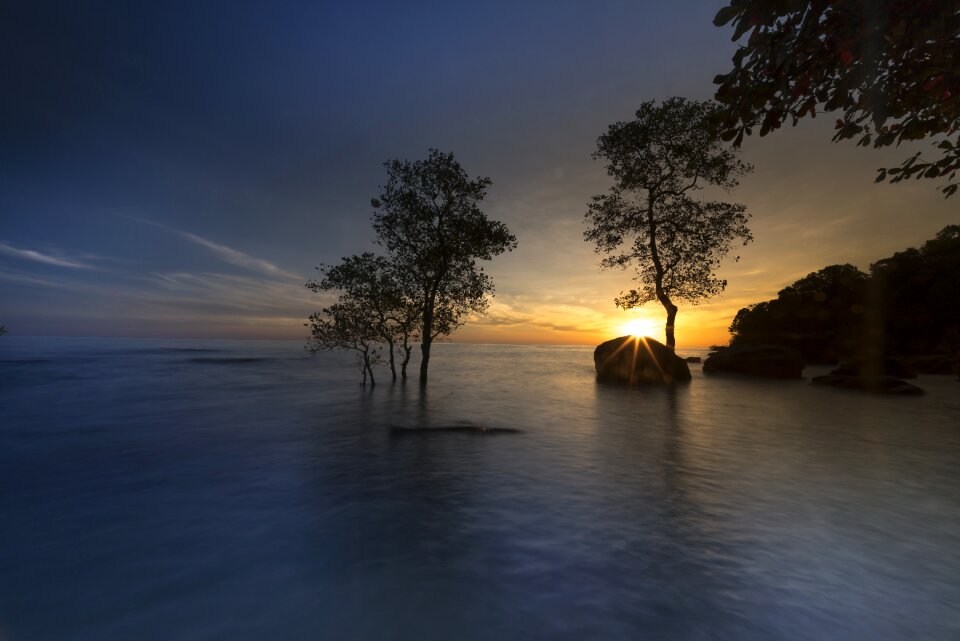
{"x":398,"y":430}
{"x":875,"y":384}
{"x":629,"y":359}
{"x":867,"y":368}
{"x":692,"y":359}
{"x":933,"y":364}
{"x":773,"y":361}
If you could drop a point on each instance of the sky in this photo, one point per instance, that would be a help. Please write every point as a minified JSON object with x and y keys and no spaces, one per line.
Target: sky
{"x":179,"y":169}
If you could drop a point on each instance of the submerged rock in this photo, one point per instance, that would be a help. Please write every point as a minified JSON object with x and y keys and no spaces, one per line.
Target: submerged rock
{"x":772,"y":361}
{"x":692,"y":359}
{"x":875,"y":384}
{"x":631,"y":359}
{"x":469,"y":429}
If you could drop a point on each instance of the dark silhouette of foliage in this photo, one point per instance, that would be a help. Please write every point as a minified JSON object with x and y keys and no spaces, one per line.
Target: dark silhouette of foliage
{"x":821,"y":314}
{"x":889,"y":66}
{"x":649,"y":219}
{"x":912,"y":297}
{"x":921,"y":296}
{"x":372,"y":282}
{"x":347,"y":325}
{"x":428,"y":218}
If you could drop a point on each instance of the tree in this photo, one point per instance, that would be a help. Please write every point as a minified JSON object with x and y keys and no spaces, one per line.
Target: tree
{"x":889,"y":66}
{"x":823,"y":315}
{"x":649,"y":218}
{"x":371,"y":282}
{"x":347,"y":325}
{"x":921,"y":295}
{"x":3,"y":330}
{"x":907,"y":305}
{"x":428,"y":218}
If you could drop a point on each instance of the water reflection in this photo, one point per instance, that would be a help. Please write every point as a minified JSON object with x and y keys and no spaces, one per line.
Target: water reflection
{"x":151,"y":497}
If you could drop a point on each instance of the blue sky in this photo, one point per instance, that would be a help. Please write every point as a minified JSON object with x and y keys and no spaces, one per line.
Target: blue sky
{"x":178,"y":169}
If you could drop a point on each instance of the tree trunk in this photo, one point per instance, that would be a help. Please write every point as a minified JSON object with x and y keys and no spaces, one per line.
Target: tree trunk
{"x":407,"y":349}
{"x":426,"y":339}
{"x":659,"y":273}
{"x":671,"y":319}
{"x":366,"y":364}
{"x":393,"y":368}
{"x":425,"y":357}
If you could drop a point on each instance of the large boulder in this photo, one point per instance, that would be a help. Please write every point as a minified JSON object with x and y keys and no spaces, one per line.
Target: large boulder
{"x":875,"y":384}
{"x":630,"y":359}
{"x":772,"y":361}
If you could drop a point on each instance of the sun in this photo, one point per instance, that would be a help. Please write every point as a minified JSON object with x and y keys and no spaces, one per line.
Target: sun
{"x":639,"y":327}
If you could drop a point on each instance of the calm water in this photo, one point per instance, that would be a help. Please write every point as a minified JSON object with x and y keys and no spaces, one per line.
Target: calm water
{"x":176,"y":490}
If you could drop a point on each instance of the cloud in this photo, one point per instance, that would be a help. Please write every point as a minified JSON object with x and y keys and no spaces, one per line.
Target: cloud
{"x":25,"y":279}
{"x":236,"y":257}
{"x":228,"y":254}
{"x":46,"y":259}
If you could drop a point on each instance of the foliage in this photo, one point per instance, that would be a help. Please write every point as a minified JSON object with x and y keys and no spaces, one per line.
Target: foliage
{"x":649,"y":219}
{"x":913,"y":296}
{"x":428,"y":218}
{"x":823,"y":301}
{"x":347,"y":325}
{"x":371,"y":282}
{"x":888,"y":66}
{"x":921,"y":295}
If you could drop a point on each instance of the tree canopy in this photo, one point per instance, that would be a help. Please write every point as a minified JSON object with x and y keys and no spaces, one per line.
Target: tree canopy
{"x":371,"y":282}
{"x":912,"y":298}
{"x":428,"y":218}
{"x":890,"y":67}
{"x":347,"y":325}
{"x":649,"y":218}
{"x":822,"y":315}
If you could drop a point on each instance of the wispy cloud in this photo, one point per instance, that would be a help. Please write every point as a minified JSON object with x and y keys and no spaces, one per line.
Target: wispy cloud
{"x":236,"y":257}
{"x":228,"y":254}
{"x":39,"y":257}
{"x":26,"y":279}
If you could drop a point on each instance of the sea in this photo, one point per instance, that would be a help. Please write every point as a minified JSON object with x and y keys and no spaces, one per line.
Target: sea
{"x":177,"y":490}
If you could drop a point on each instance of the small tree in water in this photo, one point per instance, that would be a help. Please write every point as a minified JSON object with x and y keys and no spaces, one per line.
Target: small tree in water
{"x":649,"y":218}
{"x":428,"y":218}
{"x":347,"y":325}
{"x":371,"y":282}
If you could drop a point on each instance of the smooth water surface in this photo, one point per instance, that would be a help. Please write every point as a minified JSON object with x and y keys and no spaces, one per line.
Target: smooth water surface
{"x":195,"y":490}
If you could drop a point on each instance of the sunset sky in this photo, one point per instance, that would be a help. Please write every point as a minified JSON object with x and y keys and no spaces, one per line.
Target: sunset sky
{"x":179,"y":169}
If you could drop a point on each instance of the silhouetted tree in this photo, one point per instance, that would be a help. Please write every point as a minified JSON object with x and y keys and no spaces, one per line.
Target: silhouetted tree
{"x":822,"y":315}
{"x":921,"y":296}
{"x":908,"y":305}
{"x":649,"y":218}
{"x":3,"y":330}
{"x":371,"y":282}
{"x":350,"y":326}
{"x":890,"y":67}
{"x":428,"y":218}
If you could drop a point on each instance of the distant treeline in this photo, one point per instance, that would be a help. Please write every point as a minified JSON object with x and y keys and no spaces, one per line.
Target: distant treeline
{"x":909,"y":304}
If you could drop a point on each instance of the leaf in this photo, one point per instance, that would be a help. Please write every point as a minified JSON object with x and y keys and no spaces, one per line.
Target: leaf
{"x":725,"y":15}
